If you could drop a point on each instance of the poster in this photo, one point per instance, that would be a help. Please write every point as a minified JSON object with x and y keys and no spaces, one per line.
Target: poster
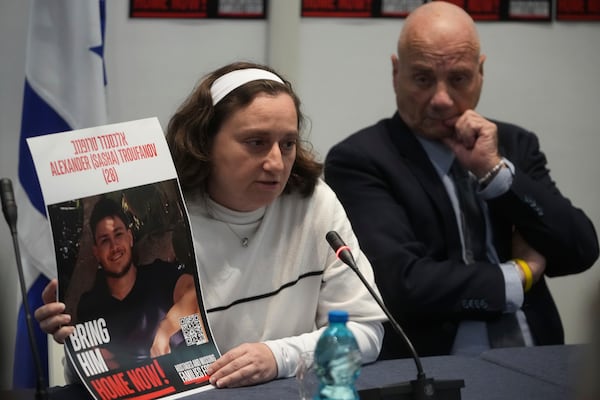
{"x":126,"y":263}
{"x":480,"y":10}
{"x":578,"y":10}
{"x":240,"y":9}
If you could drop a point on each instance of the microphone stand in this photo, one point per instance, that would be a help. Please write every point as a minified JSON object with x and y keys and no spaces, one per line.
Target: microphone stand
{"x":422,"y":388}
{"x":9,"y":209}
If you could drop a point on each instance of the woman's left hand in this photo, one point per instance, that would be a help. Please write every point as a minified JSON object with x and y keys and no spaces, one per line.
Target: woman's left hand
{"x":244,"y":365}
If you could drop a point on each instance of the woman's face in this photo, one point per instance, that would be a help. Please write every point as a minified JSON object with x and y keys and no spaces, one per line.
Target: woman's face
{"x":253,"y":153}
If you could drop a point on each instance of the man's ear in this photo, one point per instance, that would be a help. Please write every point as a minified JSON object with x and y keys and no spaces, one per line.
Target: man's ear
{"x":482,"y":59}
{"x":394,"y":59}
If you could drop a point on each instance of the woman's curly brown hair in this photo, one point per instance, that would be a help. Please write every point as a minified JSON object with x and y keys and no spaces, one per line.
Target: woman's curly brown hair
{"x":192,"y":129}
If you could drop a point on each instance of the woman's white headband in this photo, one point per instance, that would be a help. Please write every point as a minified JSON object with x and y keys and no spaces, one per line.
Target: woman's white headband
{"x":234,"y":79}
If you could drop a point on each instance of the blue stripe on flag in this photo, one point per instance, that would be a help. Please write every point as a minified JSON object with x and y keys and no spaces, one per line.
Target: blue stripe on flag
{"x":64,"y":36}
{"x":38,"y":119}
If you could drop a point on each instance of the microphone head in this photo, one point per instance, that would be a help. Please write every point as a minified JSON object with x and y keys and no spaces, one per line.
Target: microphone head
{"x":341,"y":250}
{"x":9,"y":206}
{"x":7,"y":191}
{"x":334,"y":240}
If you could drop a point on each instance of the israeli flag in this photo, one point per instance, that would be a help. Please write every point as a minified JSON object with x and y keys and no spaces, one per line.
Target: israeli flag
{"x":64,"y":90}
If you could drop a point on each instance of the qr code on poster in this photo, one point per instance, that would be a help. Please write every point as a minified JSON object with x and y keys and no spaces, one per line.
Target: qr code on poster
{"x":192,"y":329}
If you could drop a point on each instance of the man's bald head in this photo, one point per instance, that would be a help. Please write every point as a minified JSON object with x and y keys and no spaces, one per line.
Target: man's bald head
{"x":438,"y":19}
{"x":438,"y":71}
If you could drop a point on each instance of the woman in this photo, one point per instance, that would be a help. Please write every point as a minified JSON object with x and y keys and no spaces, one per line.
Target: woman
{"x":259,"y":215}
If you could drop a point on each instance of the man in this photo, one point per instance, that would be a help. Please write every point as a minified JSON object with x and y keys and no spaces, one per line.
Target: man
{"x":140,"y":304}
{"x":454,"y":279}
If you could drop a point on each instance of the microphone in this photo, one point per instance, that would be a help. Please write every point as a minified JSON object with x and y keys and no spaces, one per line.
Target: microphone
{"x":419,"y":389}
{"x":9,"y":206}
{"x":9,"y":209}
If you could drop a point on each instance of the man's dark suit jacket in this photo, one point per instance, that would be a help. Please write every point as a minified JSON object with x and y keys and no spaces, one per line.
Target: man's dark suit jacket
{"x":406,"y":226}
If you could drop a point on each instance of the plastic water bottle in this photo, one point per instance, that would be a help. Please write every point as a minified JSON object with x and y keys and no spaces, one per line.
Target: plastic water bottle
{"x":337,"y":359}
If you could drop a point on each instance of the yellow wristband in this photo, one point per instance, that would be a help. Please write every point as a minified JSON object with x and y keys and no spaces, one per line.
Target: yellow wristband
{"x":527,"y":272}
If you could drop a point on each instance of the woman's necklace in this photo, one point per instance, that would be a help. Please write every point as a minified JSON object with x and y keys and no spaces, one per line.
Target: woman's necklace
{"x":215,"y":212}
{"x":244,"y":240}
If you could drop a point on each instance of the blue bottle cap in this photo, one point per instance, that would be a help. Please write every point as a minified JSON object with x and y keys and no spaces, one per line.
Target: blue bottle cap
{"x":338,"y":316}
